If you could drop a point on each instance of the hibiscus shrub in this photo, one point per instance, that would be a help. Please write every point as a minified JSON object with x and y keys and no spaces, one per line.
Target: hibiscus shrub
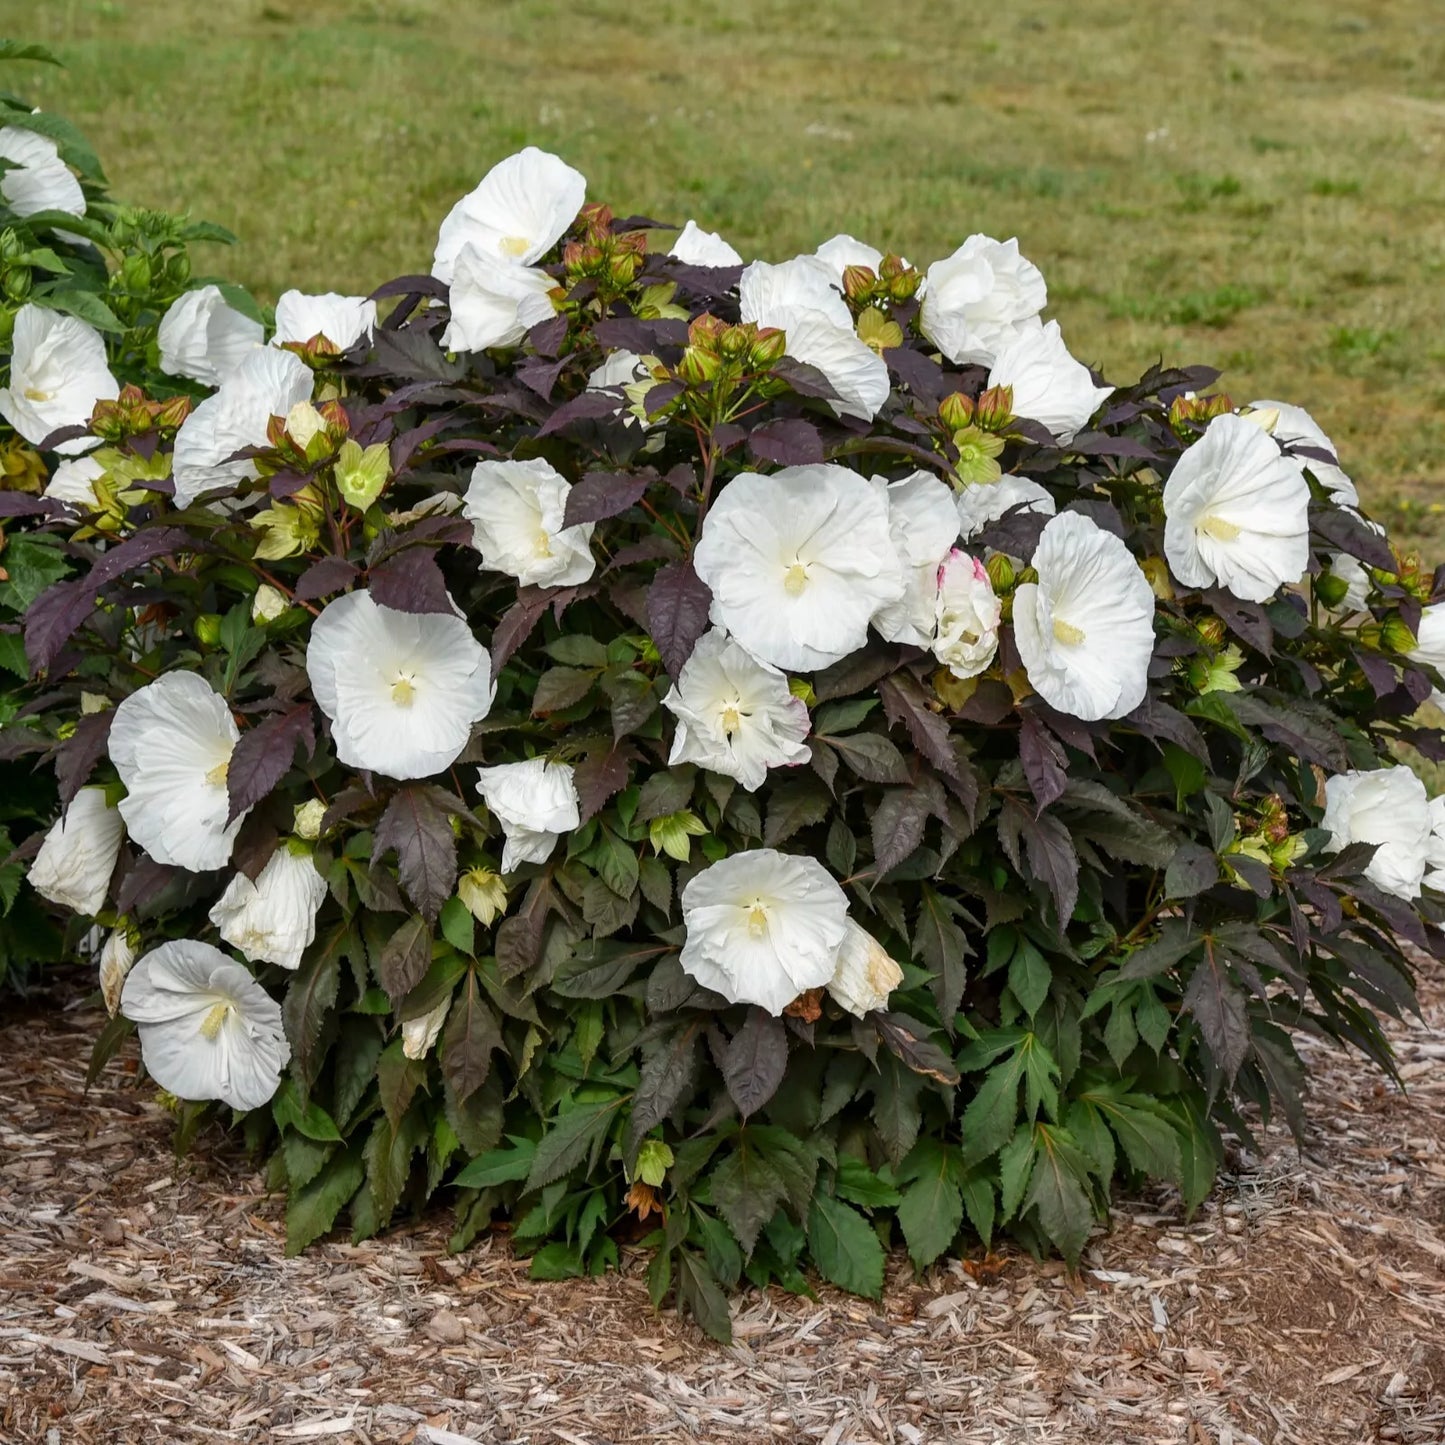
{"x":765,"y":762}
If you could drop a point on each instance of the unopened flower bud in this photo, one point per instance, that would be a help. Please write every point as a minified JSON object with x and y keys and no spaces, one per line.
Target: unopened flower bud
{"x":994,"y":409}
{"x":736,"y":342}
{"x":956,"y":411}
{"x":1210,"y":631}
{"x":304,"y":424}
{"x":1331,"y":589}
{"x":859,"y":283}
{"x":173,"y":412}
{"x":268,"y":603}
{"x":306,"y":820}
{"x":706,"y":331}
{"x":208,"y":629}
{"x":1001,"y":573}
{"x":1396,"y":636}
{"x":769,"y":348}
{"x":699,"y":368}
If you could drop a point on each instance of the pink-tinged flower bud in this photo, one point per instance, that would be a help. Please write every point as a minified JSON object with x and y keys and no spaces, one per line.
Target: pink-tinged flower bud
{"x":769,"y":348}
{"x":994,"y":409}
{"x":956,"y":411}
{"x":859,"y":283}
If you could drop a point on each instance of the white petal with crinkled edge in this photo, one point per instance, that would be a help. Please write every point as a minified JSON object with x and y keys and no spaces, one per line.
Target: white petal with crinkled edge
{"x":923,"y":522}
{"x":493,"y":303}
{"x":342,"y":320}
{"x":1049,"y":386}
{"x":516,"y":214}
{"x":850,"y":366}
{"x":763,"y":927}
{"x":1297,"y":427}
{"x":735,"y":715}
{"x":207,"y":1029}
{"x":798,"y":563}
{"x":983,"y":502}
{"x":73,"y":483}
{"x":171,"y":742}
{"x":266,"y":382}
{"x":272,"y":920}
{"x":842,"y":251}
{"x":1236,"y":512}
{"x":203,"y":337}
{"x":1435,"y":847}
{"x":58,"y":371}
{"x":696,"y":247}
{"x":768,"y":293}
{"x":402,"y":689}
{"x":1085,"y":630}
{"x":979,"y":299}
{"x":966,"y":615}
{"x":866,"y":973}
{"x":535,"y":801}
{"x":38,"y":179}
{"x":75,"y":861}
{"x":1388,"y":807}
{"x":516,"y":510}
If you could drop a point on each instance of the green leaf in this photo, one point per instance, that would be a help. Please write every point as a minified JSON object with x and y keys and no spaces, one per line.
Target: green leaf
{"x":312,"y":1211}
{"x":1029,"y":976}
{"x":844,"y":1247}
{"x":573,"y":1137}
{"x":1057,"y":1192}
{"x":308,"y":1010}
{"x":498,"y":1166}
{"x":746,"y":1191}
{"x":389,"y":1151}
{"x":794,"y":805}
{"x":560,"y":688}
{"x":85,"y":305}
{"x":943,"y":948}
{"x":931,"y":1210}
{"x":698,"y":1290}
{"x":978,"y":1202}
{"x":459,"y":928}
{"x":304,"y":1159}
{"x":719,"y":1247}
{"x":989,"y":1121}
{"x":313,"y":1121}
{"x":575,"y":649}
{"x":858,"y":1184}
{"x":1015,"y":1165}
{"x":20,"y":50}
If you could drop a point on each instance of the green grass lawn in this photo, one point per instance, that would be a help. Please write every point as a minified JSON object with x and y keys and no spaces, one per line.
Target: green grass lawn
{"x":1258,"y":184}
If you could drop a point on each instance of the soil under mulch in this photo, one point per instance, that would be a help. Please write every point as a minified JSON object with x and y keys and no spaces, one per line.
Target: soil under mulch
{"x":145,"y":1298}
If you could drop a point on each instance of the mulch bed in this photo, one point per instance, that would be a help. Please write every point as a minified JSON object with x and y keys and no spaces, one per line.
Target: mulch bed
{"x":145,"y":1298}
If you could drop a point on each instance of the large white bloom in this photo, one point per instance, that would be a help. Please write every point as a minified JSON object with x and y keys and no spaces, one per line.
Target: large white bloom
{"x":735,"y":715}
{"x":983,"y":502}
{"x":58,"y":372}
{"x":171,"y":742}
{"x":1049,"y":386}
{"x":116,"y":960}
{"x":1387,"y":806}
{"x":38,"y":179}
{"x":207,"y":1029}
{"x":866,"y":973}
{"x":203,"y":337}
{"x":1296,"y":427}
{"x":1430,"y":643}
{"x":1236,"y":512}
{"x":75,"y":861}
{"x":516,"y":511}
{"x":266,"y":382}
{"x":342,"y":320}
{"x":494,"y":303}
{"x":966,"y":615}
{"x":273,"y":920}
{"x":843,"y":250}
{"x":923,"y":522}
{"x":1085,"y":629}
{"x":978,"y":300}
{"x":763,"y":927}
{"x":801,"y":297}
{"x":535,"y":802}
{"x":697,"y":247}
{"x":798,"y":562}
{"x":402,"y":689}
{"x":516,"y":215}
{"x":1435,"y":847}
{"x":73,"y":483}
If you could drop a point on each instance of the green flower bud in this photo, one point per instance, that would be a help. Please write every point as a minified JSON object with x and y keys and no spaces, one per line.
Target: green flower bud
{"x":208,"y":628}
{"x":769,"y":348}
{"x":1331,"y":589}
{"x":1395,"y":635}
{"x":1000,"y":571}
{"x":956,"y":411}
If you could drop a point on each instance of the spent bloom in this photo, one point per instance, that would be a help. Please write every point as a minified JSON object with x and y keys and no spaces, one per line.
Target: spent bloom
{"x":979,"y":299}
{"x":536,"y":802}
{"x":207,"y":1029}
{"x":342,"y":320}
{"x":419,"y":1034}
{"x":1085,"y":629}
{"x":402,"y":689}
{"x":117,"y":957}
{"x":1236,"y":512}
{"x":58,"y":371}
{"x":866,"y":973}
{"x":1049,"y":385}
{"x":516,"y":510}
{"x":923,"y":523}
{"x":966,"y":615}
{"x":205,"y":338}
{"x":75,"y":861}
{"x":1387,"y":807}
{"x":798,"y":562}
{"x":763,"y":927}
{"x":735,"y":715}
{"x":273,"y":920}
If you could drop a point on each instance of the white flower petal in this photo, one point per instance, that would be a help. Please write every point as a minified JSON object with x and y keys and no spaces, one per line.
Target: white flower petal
{"x":983,"y":502}
{"x":58,"y":371}
{"x":73,"y":483}
{"x":866,"y":973}
{"x":1388,"y":807}
{"x":38,"y":180}
{"x":978,"y":300}
{"x":116,"y":960}
{"x":1297,"y":427}
{"x":516,"y":510}
{"x":1049,"y":386}
{"x":204,"y":338}
{"x":272,"y":920}
{"x":850,"y":366}
{"x":767,"y":293}
{"x":342,"y":320}
{"x":697,"y":247}
{"x":966,"y":615}
{"x":75,"y":861}
{"x":843,"y":251}
{"x":923,"y":522}
{"x":494,"y":303}
{"x":535,"y":802}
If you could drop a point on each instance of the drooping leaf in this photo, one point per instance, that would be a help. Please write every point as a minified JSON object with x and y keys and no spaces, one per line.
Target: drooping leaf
{"x":756,"y":1061}
{"x":677,"y":613}
{"x":417,"y":824}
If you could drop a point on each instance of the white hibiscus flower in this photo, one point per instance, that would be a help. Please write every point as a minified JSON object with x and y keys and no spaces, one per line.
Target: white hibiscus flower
{"x":1435,"y":847}
{"x":763,"y":927}
{"x":203,"y":337}
{"x":923,"y":522}
{"x":73,"y":483}
{"x":342,"y":320}
{"x":735,"y":715}
{"x":966,"y":615}
{"x":273,"y":920}
{"x":697,"y":247}
{"x":798,"y":563}
{"x":1389,"y":807}
{"x":1236,"y":512}
{"x":627,"y":370}
{"x":1049,"y":386}
{"x":516,"y":510}
{"x":1085,"y":629}
{"x":535,"y":802}
{"x":801,"y":298}
{"x":983,"y":502}
{"x":1429,"y":645}
{"x":38,"y":180}
{"x":981,"y":298}
{"x":75,"y":861}
{"x":516,"y":215}
{"x":266,"y":382}
{"x":402,"y":689}
{"x":494,"y":303}
{"x":116,"y":960}
{"x":171,"y":742}
{"x":842,"y":251}
{"x":866,"y":973}
{"x":207,"y":1029}
{"x":58,"y":372}
{"x":1296,"y":427}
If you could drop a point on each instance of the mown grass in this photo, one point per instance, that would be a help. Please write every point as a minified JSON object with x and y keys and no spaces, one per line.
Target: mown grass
{"x":1257,"y":184}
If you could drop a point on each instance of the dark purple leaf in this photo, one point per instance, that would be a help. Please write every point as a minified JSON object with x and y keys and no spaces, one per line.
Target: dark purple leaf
{"x":1048,"y":854}
{"x":76,"y":757}
{"x":546,"y":337}
{"x":897,"y":826}
{"x":323,"y":577}
{"x":411,"y":581}
{"x":1345,"y":532}
{"x":677,"y":613}
{"x":1218,"y":1006}
{"x":472,"y":1036}
{"x":632,"y":333}
{"x":412,"y":355}
{"x":605,"y":494}
{"x":21,"y":504}
{"x":1247,"y":620}
{"x":908,"y":1039}
{"x":404,"y":959}
{"x":404,"y":447}
{"x":755,"y":1062}
{"x":1099,"y":444}
{"x":540,"y":375}
{"x":601,"y":775}
{"x":858,"y":672}
{"x":1045,"y":762}
{"x":905,"y":701}
{"x":590,"y":406}
{"x":805,"y":380}
{"x":417,"y":824}
{"x":789,"y":443}
{"x":518,"y":943}
{"x":919,"y":373}
{"x":517,"y":624}
{"x":410,"y":286}
{"x":263,"y":755}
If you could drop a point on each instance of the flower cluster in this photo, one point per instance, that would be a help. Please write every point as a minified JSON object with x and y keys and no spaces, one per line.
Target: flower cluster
{"x":787,"y":738}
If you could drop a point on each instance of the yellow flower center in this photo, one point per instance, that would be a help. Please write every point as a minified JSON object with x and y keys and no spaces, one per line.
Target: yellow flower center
{"x":403,"y":690}
{"x":33,"y":393}
{"x":217,"y":775}
{"x":542,"y":544}
{"x":732,"y":720}
{"x":213,"y":1021}
{"x":795,"y":579}
{"x":1067,"y":632}
{"x":514,"y":246}
{"x":1219,"y":529}
{"x":757,"y":920}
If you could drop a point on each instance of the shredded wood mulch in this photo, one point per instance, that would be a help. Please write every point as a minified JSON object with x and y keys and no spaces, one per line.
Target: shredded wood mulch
{"x":145,"y":1298}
